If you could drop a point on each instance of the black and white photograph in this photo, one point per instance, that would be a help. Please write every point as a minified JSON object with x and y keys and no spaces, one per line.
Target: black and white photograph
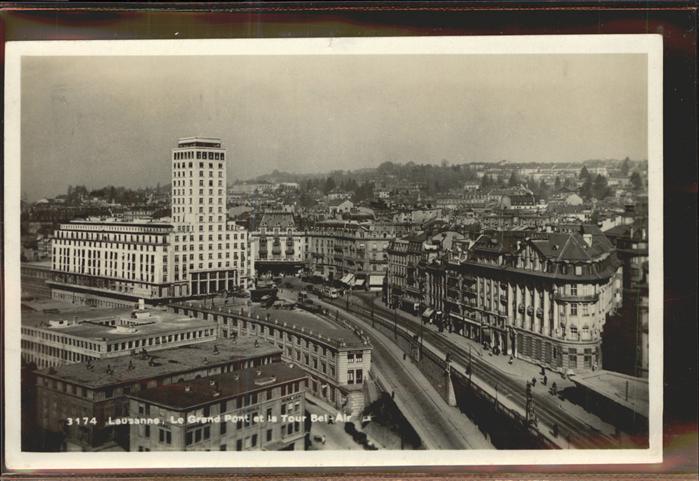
{"x":391,"y":251}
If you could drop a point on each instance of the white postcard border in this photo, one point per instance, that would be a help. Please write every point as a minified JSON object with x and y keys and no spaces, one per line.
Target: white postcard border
{"x":651,"y":45}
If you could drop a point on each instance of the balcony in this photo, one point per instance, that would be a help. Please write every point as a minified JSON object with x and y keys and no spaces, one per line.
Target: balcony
{"x":469,"y":291}
{"x":575,"y":298}
{"x":413,"y":289}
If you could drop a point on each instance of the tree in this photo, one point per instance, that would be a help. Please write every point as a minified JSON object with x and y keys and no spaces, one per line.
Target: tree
{"x":329,"y":185}
{"x":514,"y":179}
{"x":625,"y":167}
{"x":636,"y":181}
{"x":586,"y":189}
{"x":600,"y":188}
{"x":557,"y":183}
{"x":584,"y":174}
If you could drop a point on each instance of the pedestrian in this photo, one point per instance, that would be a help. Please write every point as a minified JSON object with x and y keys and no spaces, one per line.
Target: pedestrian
{"x":533,"y":381}
{"x":545,"y":380}
{"x":404,"y":356}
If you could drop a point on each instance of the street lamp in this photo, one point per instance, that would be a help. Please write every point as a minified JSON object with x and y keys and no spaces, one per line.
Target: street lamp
{"x":395,"y":322}
{"x":422,"y":336}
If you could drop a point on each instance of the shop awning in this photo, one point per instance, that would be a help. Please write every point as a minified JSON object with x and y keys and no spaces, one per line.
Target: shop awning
{"x":376,"y":280}
{"x":359,"y":282}
{"x":427,"y":313}
{"x":348,"y":280}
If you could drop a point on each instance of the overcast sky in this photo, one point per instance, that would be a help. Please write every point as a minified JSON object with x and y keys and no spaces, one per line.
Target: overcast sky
{"x":113,"y":120}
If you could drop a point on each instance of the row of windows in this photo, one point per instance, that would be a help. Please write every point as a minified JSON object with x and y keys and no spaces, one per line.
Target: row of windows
{"x":157,"y":340}
{"x":193,"y":173}
{"x":190,"y":237}
{"x":189,"y":154}
{"x":209,"y":246}
{"x":68,"y":341}
{"x":61,"y":386}
{"x":202,"y":200}
{"x":144,"y":238}
{"x":72,"y":245}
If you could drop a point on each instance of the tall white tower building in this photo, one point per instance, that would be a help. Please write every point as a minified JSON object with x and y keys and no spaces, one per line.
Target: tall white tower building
{"x":109,"y":263}
{"x":211,"y":253}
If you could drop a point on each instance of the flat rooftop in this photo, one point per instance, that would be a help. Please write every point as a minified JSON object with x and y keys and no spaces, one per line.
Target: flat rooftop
{"x":310,"y":322}
{"x":135,"y":368}
{"x":39,"y":264}
{"x":612,"y":385}
{"x":188,"y":395}
{"x":55,"y":306}
{"x":86,"y":323}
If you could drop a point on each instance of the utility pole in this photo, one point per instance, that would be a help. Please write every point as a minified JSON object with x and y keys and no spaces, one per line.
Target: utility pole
{"x":395,"y":323}
{"x":530,"y":405}
{"x":372,"y":314}
{"x":469,"y":368}
{"x":422,"y":336}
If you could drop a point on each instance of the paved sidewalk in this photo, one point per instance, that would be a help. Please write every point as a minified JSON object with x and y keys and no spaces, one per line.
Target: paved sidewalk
{"x":519,"y":370}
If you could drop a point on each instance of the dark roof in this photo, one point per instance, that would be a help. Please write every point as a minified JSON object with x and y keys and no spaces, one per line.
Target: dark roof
{"x":165,"y":362}
{"x":634,"y":231}
{"x":281,"y":220}
{"x":566,"y":244}
{"x":498,"y":242}
{"x":217,"y":388}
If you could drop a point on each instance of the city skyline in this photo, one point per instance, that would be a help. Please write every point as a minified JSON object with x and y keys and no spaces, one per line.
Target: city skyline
{"x":318,"y":116}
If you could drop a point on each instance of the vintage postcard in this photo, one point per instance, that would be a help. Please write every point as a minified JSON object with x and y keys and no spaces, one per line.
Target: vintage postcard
{"x":348,"y":251}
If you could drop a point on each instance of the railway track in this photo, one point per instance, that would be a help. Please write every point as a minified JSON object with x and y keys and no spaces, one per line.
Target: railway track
{"x":578,"y":433}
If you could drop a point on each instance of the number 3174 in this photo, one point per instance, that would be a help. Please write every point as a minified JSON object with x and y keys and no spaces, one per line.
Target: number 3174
{"x":81,"y":421}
